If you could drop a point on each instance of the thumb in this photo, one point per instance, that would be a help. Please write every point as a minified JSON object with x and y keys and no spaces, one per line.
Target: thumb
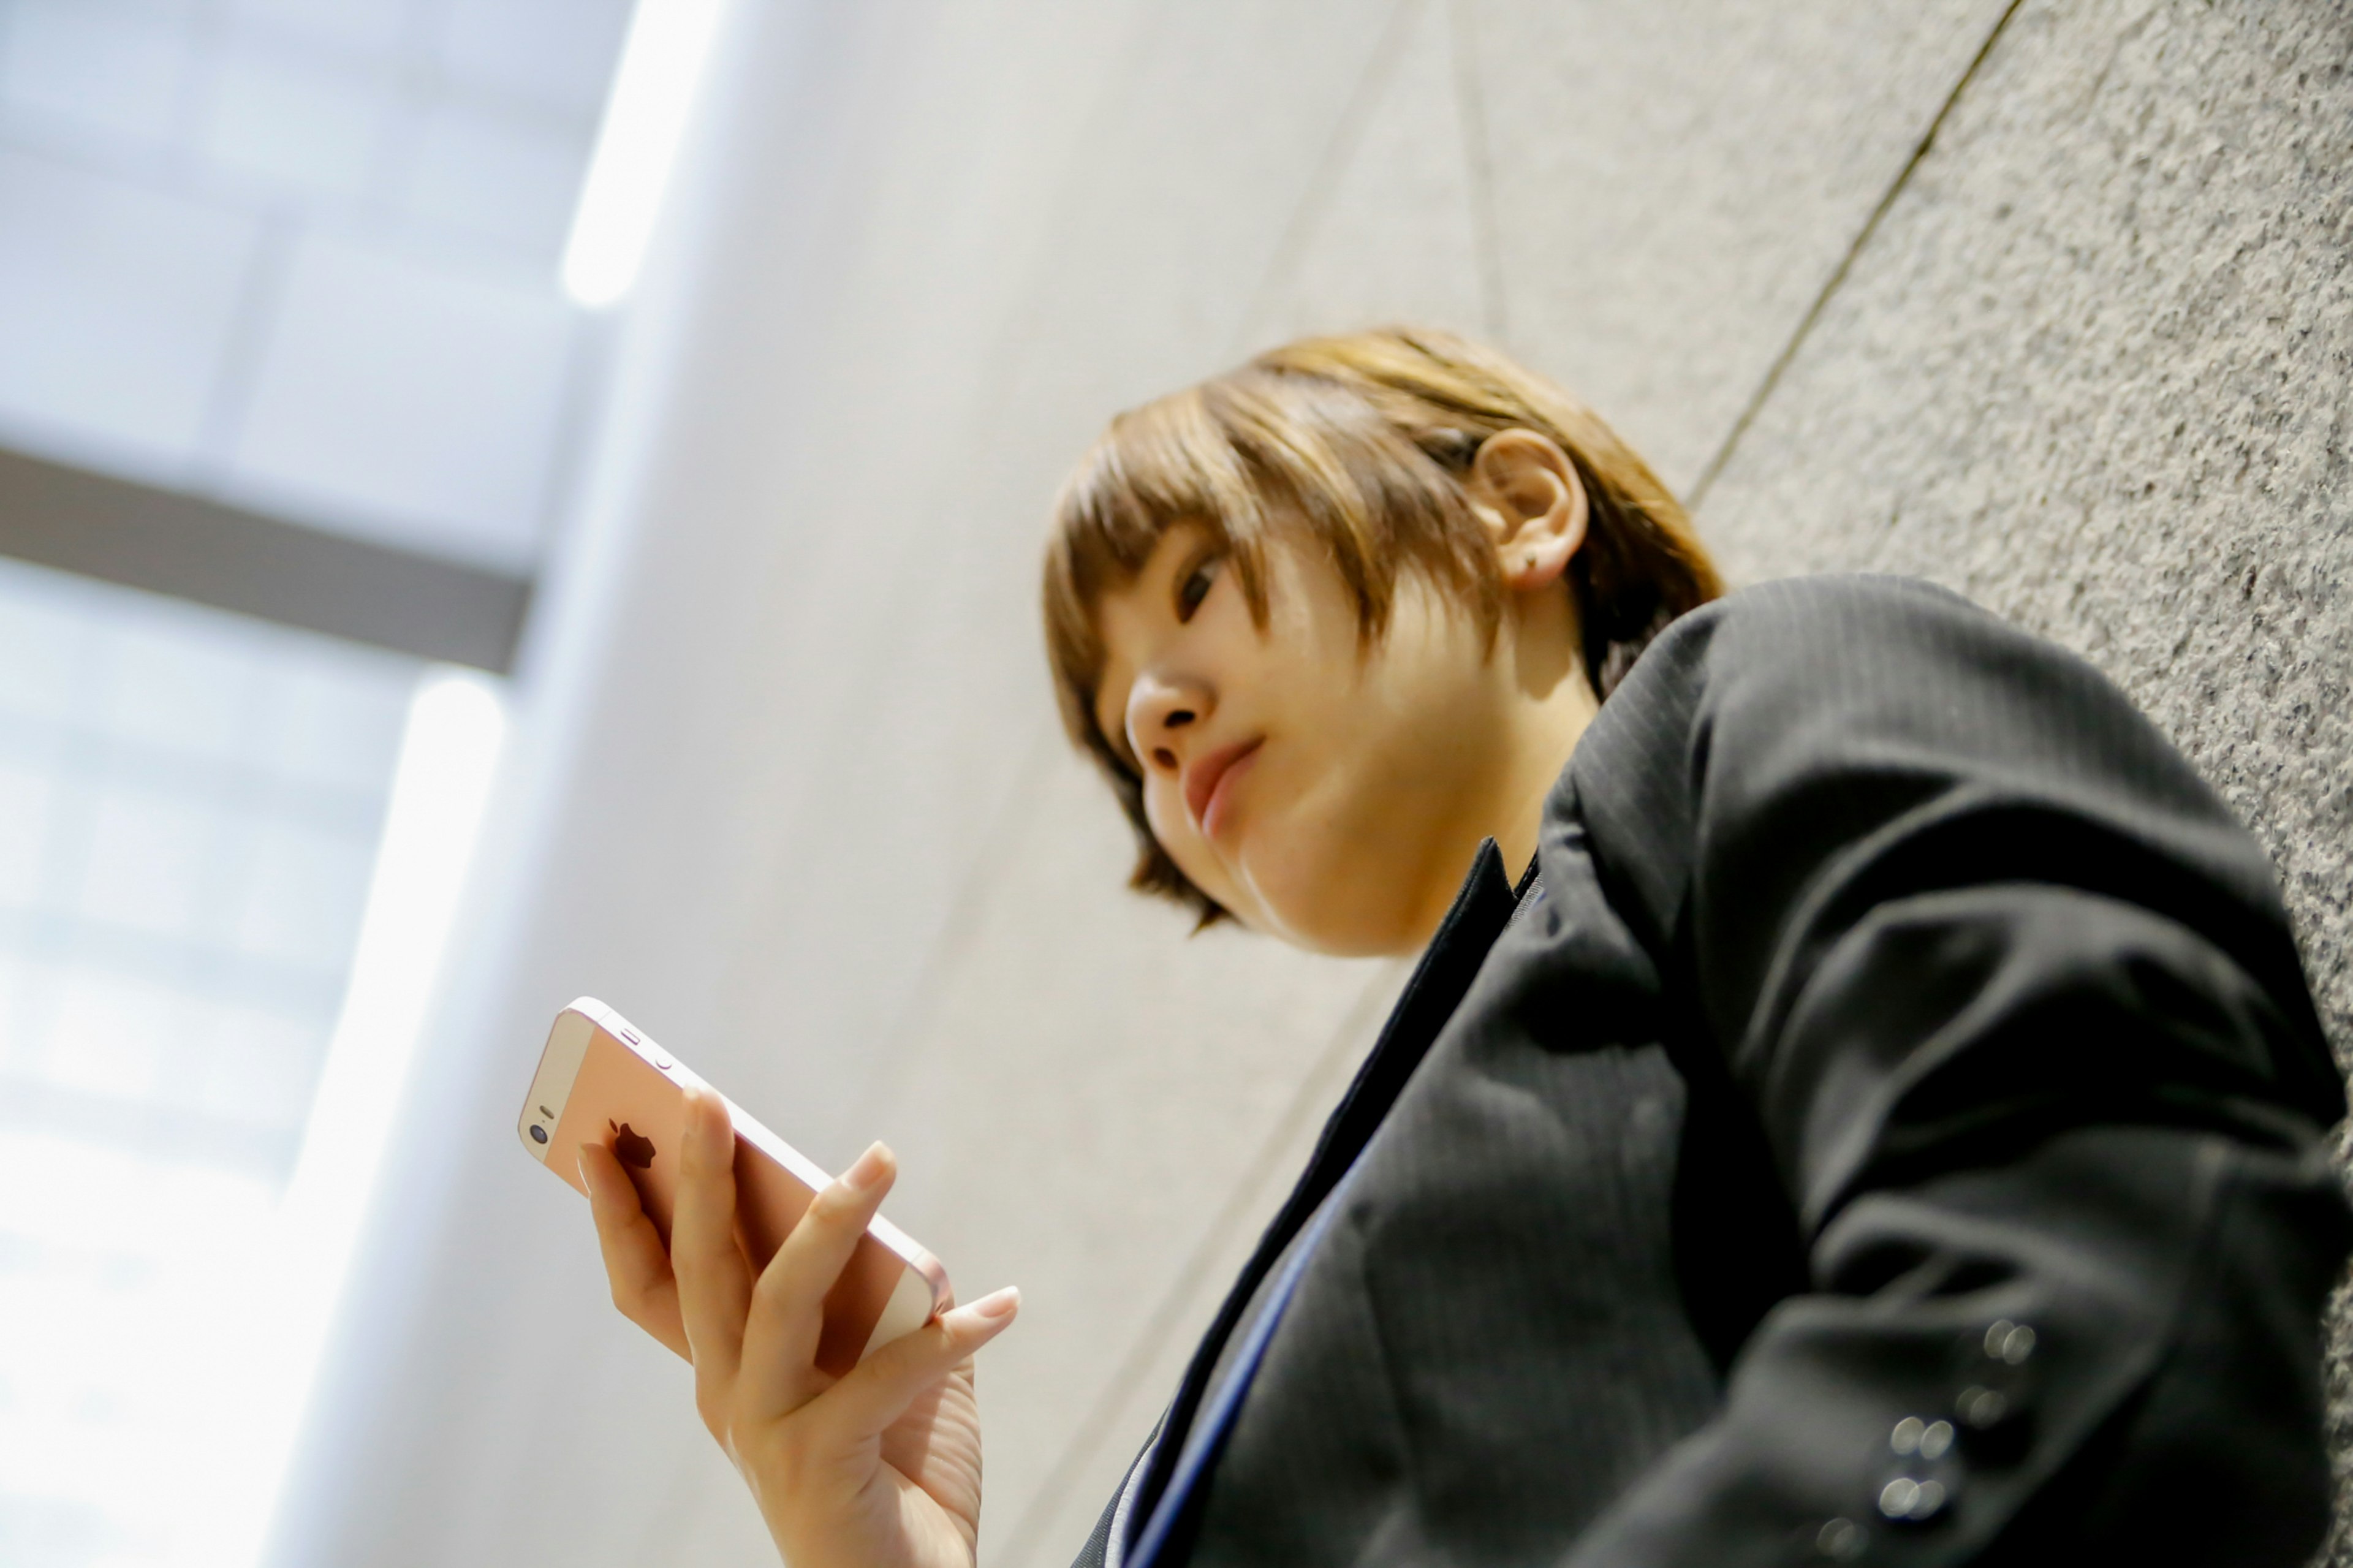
{"x":879,"y":1390}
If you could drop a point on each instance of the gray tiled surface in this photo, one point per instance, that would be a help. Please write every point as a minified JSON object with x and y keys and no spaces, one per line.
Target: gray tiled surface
{"x":1674,"y":183}
{"x":805,"y":818}
{"x":2092,"y":371}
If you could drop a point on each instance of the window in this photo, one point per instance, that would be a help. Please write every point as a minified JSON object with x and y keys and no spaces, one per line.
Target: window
{"x":190,"y":808}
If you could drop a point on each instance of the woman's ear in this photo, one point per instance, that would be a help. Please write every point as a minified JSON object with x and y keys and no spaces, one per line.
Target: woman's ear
{"x":1527,"y":492}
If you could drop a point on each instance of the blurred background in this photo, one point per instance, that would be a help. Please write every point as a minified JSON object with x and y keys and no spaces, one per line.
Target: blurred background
{"x":508,"y":499}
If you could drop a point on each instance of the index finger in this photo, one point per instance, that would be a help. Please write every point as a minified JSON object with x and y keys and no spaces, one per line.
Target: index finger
{"x":788,"y":1315}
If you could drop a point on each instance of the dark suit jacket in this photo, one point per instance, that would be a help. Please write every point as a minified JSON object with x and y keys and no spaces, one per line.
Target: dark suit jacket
{"x":1891,"y":1130}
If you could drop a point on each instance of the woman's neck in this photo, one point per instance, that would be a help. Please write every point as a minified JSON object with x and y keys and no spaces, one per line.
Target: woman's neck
{"x":1552,"y":729}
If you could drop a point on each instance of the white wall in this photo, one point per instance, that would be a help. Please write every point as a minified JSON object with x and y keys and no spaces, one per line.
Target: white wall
{"x":791,"y":793}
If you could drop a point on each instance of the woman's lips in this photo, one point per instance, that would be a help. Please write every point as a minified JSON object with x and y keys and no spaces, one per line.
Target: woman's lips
{"x":1209,"y":784}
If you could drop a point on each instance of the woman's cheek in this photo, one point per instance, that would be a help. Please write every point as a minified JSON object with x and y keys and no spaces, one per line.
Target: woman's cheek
{"x":1330,"y":868}
{"x":1289,"y":861}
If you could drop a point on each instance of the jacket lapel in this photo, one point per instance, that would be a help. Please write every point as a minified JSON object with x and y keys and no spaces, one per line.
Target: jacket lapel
{"x":1481,"y":908}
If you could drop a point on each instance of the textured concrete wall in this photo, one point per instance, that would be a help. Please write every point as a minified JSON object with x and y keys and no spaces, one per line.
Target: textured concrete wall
{"x":794,"y":798}
{"x":2094,"y":368}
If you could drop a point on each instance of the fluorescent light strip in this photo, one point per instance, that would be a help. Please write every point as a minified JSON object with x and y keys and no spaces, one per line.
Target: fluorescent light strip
{"x":645,"y":121}
{"x":441,"y":786}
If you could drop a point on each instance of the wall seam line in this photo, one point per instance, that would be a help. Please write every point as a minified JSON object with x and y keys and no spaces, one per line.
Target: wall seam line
{"x":900,"y":1050}
{"x":1348,"y":132}
{"x":1478,"y":160}
{"x":1782,"y":362}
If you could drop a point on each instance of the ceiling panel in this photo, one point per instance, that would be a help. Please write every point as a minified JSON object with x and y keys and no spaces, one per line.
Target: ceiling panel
{"x":409,"y":402}
{"x":111,"y":67}
{"x":197,"y":199}
{"x":559,"y":52}
{"x":296,"y":116}
{"x":117,"y":303}
{"x":504,"y":177}
{"x":360,"y":26}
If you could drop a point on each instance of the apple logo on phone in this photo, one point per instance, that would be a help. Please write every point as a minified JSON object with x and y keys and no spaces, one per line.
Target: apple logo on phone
{"x":631,"y":1148}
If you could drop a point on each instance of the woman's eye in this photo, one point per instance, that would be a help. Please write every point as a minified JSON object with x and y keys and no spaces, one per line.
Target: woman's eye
{"x":1194,"y":585}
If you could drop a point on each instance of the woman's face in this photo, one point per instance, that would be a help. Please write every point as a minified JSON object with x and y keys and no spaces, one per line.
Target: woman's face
{"x":1320,"y":790}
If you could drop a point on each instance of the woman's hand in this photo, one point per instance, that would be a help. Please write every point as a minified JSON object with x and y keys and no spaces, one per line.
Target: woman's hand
{"x":878,"y":1468}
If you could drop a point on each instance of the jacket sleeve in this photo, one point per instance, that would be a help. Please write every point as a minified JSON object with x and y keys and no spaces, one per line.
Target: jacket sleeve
{"x":2015,"y":1003}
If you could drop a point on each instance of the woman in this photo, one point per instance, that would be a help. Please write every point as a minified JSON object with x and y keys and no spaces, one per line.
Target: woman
{"x":1863,"y":1102}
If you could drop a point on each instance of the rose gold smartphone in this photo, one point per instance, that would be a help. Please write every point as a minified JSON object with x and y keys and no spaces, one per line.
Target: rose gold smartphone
{"x":600,"y":1079}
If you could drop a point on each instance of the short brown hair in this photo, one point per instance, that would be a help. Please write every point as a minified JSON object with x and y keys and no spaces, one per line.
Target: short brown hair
{"x":1365,"y":441}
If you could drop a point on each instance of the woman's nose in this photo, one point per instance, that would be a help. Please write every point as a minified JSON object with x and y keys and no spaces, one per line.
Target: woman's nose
{"x":1160,"y":712}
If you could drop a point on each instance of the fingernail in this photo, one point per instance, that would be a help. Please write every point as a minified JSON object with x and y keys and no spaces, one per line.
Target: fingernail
{"x":703,"y":1133}
{"x":867,"y":1170}
{"x":999,"y":1303}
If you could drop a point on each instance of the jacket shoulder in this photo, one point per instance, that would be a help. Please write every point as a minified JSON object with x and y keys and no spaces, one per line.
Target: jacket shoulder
{"x":1773,"y":622}
{"x":1778,"y":647}
{"x":1800,"y":662}
{"x":1794,"y":701}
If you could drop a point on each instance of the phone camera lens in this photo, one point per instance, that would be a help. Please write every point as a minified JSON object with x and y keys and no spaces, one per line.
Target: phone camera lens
{"x":538,"y":1134}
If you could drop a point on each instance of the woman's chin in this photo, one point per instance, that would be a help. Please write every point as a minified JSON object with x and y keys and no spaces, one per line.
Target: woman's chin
{"x":1340,"y":928}
{"x":1317,"y":889}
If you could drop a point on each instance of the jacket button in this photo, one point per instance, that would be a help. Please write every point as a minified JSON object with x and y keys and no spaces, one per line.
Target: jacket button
{"x":1929,"y":1439}
{"x":2008,"y":1343}
{"x":1906,"y":1498}
{"x":1981,"y":1407}
{"x":1996,"y":1383}
{"x":1839,"y":1540}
